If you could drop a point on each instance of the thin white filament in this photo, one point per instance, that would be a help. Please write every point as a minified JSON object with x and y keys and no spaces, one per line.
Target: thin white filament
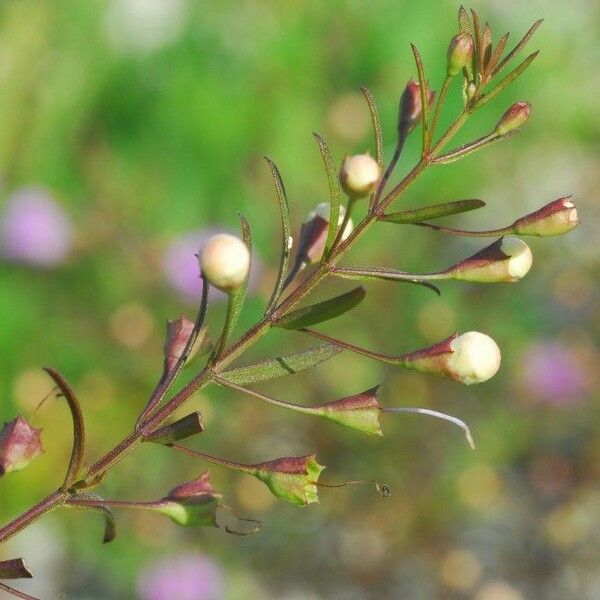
{"x":439,"y":415}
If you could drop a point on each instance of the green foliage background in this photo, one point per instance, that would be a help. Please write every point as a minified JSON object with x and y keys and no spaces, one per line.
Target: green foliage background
{"x":143,"y":143}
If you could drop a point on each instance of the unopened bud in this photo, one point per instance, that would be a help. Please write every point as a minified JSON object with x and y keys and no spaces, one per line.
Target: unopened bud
{"x":469,"y":89}
{"x":514,"y":118}
{"x":192,"y":504}
{"x":179,"y":430}
{"x":555,"y":218}
{"x":178,"y":334}
{"x":506,"y":260}
{"x":359,"y":175}
{"x":359,"y":412}
{"x":314,"y":231}
{"x":20,"y":443}
{"x":460,"y":53}
{"x":292,"y":478}
{"x":410,"y":106}
{"x":225,"y":262}
{"x":469,"y":358}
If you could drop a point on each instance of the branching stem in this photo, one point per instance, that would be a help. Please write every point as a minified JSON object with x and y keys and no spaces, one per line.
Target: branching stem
{"x":228,"y":354}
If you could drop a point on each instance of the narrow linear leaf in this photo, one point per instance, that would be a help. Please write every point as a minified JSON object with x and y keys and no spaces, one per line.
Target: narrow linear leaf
{"x":322,"y":311}
{"x":77,"y":452}
{"x":469,"y":148}
{"x":496,"y":54}
{"x":486,"y":42}
{"x":464,"y":24}
{"x":285,"y":233}
{"x":110,"y":523}
{"x":14,"y":568}
{"x":424,"y":98}
{"x":335,"y":193}
{"x":432,"y":212}
{"x":282,"y":365}
{"x":377,"y":132}
{"x":381,"y":273}
{"x":506,"y":81}
{"x":518,"y":47}
{"x":466,"y":233}
{"x":478,"y":38}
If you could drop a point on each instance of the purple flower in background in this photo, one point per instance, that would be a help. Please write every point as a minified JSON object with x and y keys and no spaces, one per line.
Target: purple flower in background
{"x":554,"y":373}
{"x":180,"y":266}
{"x":187,"y":577}
{"x":34,"y":229}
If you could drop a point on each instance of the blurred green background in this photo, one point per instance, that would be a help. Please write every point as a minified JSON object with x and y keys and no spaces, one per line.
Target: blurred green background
{"x":144,"y":123}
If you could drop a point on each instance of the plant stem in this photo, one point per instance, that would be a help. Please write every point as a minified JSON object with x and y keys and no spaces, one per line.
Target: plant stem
{"x":440,"y":103}
{"x":97,"y":470}
{"x":35,"y":512}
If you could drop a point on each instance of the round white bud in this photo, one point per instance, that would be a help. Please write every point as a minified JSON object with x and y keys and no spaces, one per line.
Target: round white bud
{"x":475,"y":358}
{"x":225,"y":261}
{"x":520,"y":257}
{"x":359,"y":175}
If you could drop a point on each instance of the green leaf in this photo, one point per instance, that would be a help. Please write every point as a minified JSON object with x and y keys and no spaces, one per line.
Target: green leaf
{"x":478,"y":39}
{"x":285,"y":234}
{"x":424,"y":98}
{"x":506,"y":81}
{"x":470,"y":147}
{"x":486,"y":40}
{"x":376,"y":124}
{"x":322,"y":311}
{"x":282,"y":365}
{"x":518,"y":47}
{"x":15,"y":568}
{"x":378,"y":273}
{"x":433,"y":212}
{"x":78,"y":449}
{"x":335,"y":192}
{"x":496,"y":54}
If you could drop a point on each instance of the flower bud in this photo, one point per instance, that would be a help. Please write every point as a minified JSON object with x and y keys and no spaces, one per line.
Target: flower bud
{"x":555,"y":218}
{"x":514,"y":118}
{"x":359,"y":412}
{"x":179,"y":430}
{"x":292,"y":478}
{"x":359,"y":175}
{"x":314,"y":232}
{"x":178,"y":334}
{"x":410,"y":107}
{"x":20,"y":443}
{"x":469,"y":358}
{"x":460,"y":53}
{"x":225,"y":262}
{"x":469,"y":89}
{"x":192,"y":504}
{"x":506,"y":260}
